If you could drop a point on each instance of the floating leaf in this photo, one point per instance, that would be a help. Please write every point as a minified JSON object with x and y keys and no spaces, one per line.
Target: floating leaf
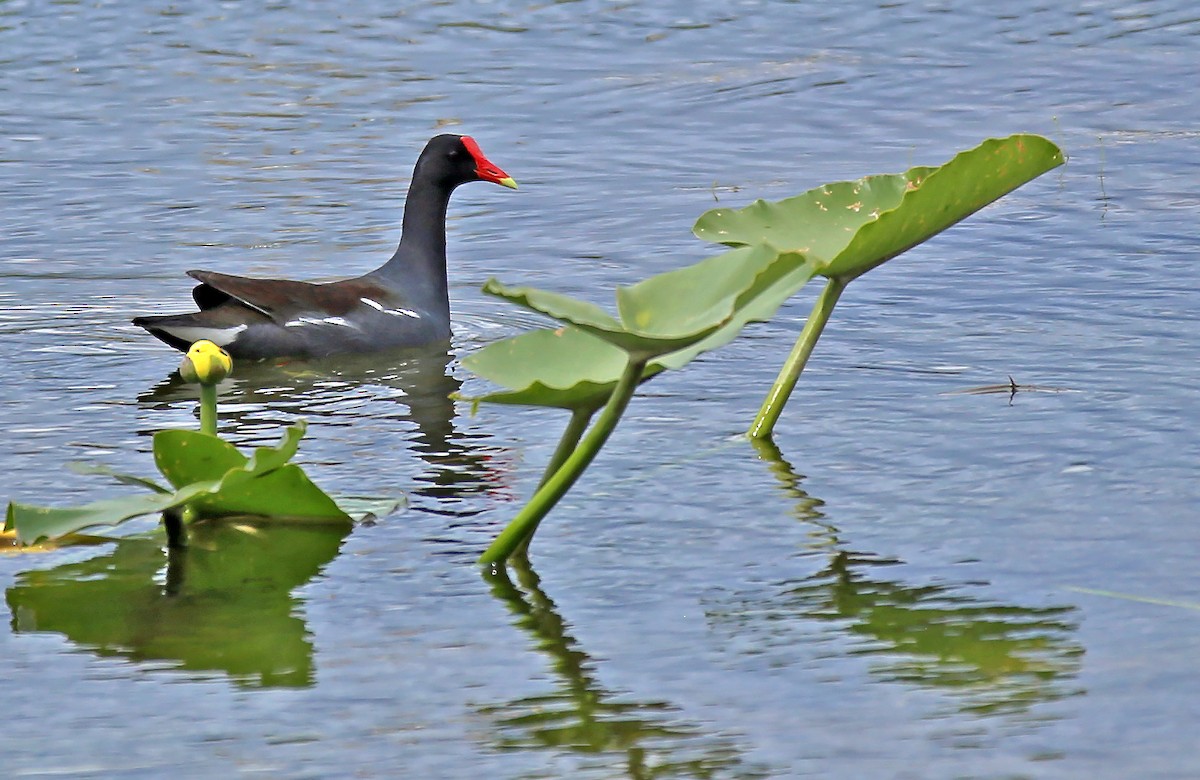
{"x":264,"y":484}
{"x":185,"y":456}
{"x":565,"y":368}
{"x":853,"y":226}
{"x":32,"y":523}
{"x":211,"y":477}
{"x":10,"y":544}
{"x":664,"y":313}
{"x":572,"y":369}
{"x":583,"y":315}
{"x":284,"y":493}
{"x":124,"y":479}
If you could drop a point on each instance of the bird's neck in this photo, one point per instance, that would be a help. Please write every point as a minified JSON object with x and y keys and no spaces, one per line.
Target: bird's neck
{"x":420,"y":260}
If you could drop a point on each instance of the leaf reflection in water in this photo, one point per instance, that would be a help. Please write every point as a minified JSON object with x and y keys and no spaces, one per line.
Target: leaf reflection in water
{"x":582,"y":718}
{"x":223,"y":605}
{"x":994,"y":657}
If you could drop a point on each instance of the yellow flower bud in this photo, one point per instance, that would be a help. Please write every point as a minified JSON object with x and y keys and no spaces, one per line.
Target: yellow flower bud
{"x":205,"y":363}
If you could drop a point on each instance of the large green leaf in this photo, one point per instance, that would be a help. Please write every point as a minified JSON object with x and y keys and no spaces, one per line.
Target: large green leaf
{"x":572,"y":369}
{"x":664,"y":313}
{"x":211,"y":477}
{"x":184,"y":456}
{"x":265,"y":484}
{"x":565,"y":368}
{"x":853,"y":226}
{"x":284,"y":493}
{"x":700,"y":297}
{"x":591,"y":319}
{"x":779,"y":281}
{"x":32,"y":523}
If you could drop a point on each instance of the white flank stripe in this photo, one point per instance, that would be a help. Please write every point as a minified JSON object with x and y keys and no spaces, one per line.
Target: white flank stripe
{"x":302,"y":321}
{"x":220,"y":336}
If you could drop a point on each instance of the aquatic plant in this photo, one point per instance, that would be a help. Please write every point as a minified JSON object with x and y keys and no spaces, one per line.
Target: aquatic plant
{"x":595,"y":362}
{"x":851,"y":227}
{"x":228,"y":604}
{"x":206,"y":364}
{"x":208,"y":478}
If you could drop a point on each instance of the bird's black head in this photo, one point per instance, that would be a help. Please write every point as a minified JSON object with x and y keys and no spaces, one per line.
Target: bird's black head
{"x":452,"y":160}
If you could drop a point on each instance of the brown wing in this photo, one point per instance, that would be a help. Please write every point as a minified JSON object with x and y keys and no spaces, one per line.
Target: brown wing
{"x":283,"y":299}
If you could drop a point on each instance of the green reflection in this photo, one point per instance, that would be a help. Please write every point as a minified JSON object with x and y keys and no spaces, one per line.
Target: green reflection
{"x":992,"y":656}
{"x":581,"y":717}
{"x":225,"y":604}
{"x":356,"y":392}
{"x":998,"y":658}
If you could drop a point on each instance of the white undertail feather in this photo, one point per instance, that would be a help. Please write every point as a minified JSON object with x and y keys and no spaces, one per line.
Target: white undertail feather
{"x":191,"y":333}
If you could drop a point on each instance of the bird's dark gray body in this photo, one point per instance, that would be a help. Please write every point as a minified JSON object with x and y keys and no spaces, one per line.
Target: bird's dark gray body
{"x":404,"y":303}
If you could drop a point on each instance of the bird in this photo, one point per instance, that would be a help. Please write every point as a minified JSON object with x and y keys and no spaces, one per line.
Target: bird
{"x":403,"y":303}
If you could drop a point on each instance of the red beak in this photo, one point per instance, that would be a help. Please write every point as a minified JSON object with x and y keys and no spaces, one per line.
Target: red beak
{"x":484,"y":168}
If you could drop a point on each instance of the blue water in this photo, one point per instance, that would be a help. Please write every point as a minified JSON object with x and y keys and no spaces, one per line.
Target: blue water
{"x":929,"y":584}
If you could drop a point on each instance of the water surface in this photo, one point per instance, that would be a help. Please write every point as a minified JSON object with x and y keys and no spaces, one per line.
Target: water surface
{"x":916,"y":584}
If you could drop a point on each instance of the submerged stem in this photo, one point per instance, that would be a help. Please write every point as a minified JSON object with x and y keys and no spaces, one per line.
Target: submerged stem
{"x":773,"y":405}
{"x":208,"y":409}
{"x":517,"y":533}
{"x":176,"y":530}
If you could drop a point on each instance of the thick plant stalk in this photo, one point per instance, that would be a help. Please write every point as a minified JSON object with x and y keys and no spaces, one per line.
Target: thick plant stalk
{"x":568,"y":441}
{"x":208,"y":409}
{"x":566,"y":445}
{"x":518,"y":532}
{"x":772,"y":407}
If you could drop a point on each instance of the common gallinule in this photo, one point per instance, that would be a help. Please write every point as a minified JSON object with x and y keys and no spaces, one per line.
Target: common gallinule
{"x":404,"y":303}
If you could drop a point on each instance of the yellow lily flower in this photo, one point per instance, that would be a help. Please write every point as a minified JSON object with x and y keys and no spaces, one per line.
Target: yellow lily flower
{"x":205,"y":363}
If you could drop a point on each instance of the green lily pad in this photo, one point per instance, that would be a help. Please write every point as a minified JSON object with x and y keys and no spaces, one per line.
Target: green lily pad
{"x":88,"y":469}
{"x":779,"y":281}
{"x":854,"y":226}
{"x":565,"y":368}
{"x":285,"y":493}
{"x":592,"y":319}
{"x":33,"y":523}
{"x":264,"y":484}
{"x":185,"y":456}
{"x":211,"y":477}
{"x":666,"y":312}
{"x":570,"y":368}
